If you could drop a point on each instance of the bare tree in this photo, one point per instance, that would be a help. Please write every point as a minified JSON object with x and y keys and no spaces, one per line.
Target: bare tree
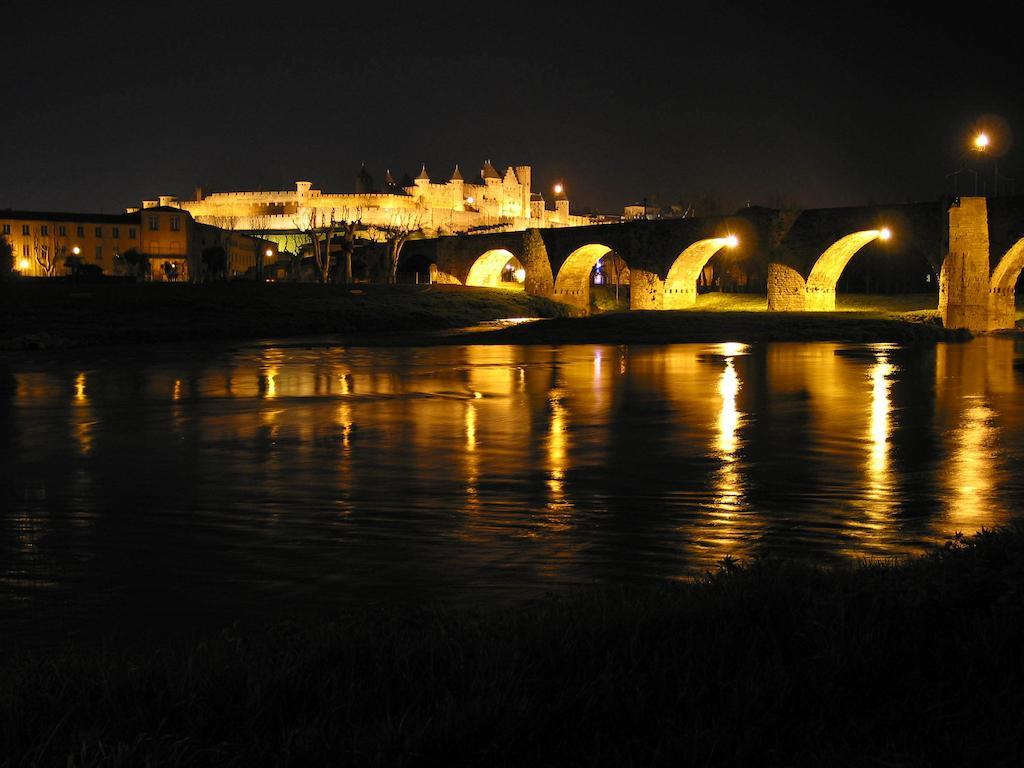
{"x":49,"y":254}
{"x":348,"y":230}
{"x":401,"y":228}
{"x":259,"y":225}
{"x":319,"y":227}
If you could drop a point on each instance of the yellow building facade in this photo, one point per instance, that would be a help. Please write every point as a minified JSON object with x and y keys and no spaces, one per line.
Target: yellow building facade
{"x":42,"y":241}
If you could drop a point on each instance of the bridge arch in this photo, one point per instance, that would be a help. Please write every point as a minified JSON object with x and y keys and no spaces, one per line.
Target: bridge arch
{"x":1002,"y":311}
{"x":572,"y":284}
{"x":489,"y":268}
{"x":821,"y":283}
{"x":681,"y":282}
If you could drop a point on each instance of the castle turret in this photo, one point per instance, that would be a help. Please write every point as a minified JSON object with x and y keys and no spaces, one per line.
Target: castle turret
{"x":458,"y":187}
{"x":390,"y":185}
{"x":364,"y":181}
{"x":523,"y":173}
{"x":561,"y":204}
{"x":423,"y":182}
{"x":489,"y":174}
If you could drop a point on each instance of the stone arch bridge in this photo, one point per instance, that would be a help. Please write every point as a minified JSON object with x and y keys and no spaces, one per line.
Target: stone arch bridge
{"x":974,"y":244}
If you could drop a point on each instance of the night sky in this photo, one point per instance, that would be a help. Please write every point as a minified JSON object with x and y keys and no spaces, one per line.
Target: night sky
{"x":846,"y":105}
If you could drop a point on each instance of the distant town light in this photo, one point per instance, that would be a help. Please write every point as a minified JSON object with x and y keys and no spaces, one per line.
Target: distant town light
{"x":559,"y":188}
{"x":884,"y":233}
{"x":732,"y":241}
{"x":981,"y":141}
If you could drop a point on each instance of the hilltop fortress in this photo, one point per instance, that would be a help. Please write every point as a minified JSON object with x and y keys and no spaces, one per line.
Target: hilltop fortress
{"x":491,"y":202}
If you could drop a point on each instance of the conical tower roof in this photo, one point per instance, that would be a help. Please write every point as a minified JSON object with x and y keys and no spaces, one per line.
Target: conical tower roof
{"x":488,"y":171}
{"x":456,"y":174}
{"x":423,"y":174}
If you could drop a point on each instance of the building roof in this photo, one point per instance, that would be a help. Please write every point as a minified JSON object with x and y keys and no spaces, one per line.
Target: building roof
{"x":71,"y":218}
{"x":423,"y":174}
{"x":488,"y":171}
{"x":456,"y":174}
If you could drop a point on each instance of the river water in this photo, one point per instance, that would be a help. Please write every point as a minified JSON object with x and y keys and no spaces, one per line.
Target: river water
{"x":167,"y":488}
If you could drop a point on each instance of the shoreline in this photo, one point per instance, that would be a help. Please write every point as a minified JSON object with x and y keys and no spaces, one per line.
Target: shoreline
{"x":81,"y":318}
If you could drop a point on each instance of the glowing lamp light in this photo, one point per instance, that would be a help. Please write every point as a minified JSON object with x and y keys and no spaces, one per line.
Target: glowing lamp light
{"x":76,"y":250}
{"x":981,"y":141}
{"x":884,"y":233}
{"x":520,"y":275}
{"x":269,"y":252}
{"x":732,"y":241}
{"x":559,"y":188}
{"x":471,"y":200}
{"x":23,"y":264}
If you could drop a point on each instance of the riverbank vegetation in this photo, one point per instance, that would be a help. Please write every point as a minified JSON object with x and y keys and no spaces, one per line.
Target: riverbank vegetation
{"x":905,"y":663}
{"x":38,"y":314}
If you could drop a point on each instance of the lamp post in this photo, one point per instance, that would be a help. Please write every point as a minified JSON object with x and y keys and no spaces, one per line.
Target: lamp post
{"x":981,"y":144}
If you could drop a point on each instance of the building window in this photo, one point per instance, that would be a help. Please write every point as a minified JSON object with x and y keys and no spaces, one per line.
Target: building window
{"x":44,"y":230}
{"x":99,"y":231}
{"x":7,"y":229}
{"x":24,"y":230}
{"x":62,"y":231}
{"x":80,"y":231}
{"x":154,"y":223}
{"x":99,"y":253}
{"x":115,"y":232}
{"x":131,"y":233}
{"x":24,"y":250}
{"x":175,"y":224}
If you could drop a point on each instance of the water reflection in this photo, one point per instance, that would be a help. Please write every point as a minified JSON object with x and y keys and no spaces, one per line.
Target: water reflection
{"x":279,"y":477}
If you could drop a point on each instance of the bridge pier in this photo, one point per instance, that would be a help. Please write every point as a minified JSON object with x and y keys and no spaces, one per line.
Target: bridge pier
{"x":964,"y":279}
{"x":646,"y":290}
{"x":787,"y":289}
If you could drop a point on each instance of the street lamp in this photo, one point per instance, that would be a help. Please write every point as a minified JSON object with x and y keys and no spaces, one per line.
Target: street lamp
{"x":981,"y":143}
{"x":559,"y":188}
{"x":884,"y":233}
{"x":76,"y":250}
{"x":732,"y":241}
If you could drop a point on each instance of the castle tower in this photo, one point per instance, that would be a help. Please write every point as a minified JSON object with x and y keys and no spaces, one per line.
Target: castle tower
{"x":364,"y":181}
{"x":458,"y":186}
{"x":561,"y":204}
{"x":423,"y":183}
{"x":523,"y":174}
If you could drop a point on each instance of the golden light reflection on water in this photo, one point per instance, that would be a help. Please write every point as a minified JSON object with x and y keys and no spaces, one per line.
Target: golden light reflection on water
{"x":558,"y":505}
{"x":879,"y":479}
{"x":971,"y":475}
{"x":724,"y":538}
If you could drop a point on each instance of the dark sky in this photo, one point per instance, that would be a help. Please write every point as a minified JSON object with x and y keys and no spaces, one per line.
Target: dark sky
{"x":842,"y":105}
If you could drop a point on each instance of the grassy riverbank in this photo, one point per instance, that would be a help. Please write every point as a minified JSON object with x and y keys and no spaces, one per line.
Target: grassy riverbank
{"x":40,"y":314}
{"x":909,"y":663}
{"x":48,"y":314}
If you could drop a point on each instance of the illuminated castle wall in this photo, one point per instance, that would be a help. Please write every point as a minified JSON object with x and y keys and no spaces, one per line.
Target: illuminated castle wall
{"x":494,"y":201}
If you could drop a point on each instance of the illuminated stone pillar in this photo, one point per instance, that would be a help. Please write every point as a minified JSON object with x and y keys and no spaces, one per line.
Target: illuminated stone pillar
{"x":787,"y":290}
{"x":534,"y":258}
{"x":646,"y":290}
{"x":964,"y":279}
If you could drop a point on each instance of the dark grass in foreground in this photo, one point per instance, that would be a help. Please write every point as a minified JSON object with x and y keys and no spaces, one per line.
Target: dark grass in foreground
{"x":52,"y":314}
{"x":910,"y":663}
